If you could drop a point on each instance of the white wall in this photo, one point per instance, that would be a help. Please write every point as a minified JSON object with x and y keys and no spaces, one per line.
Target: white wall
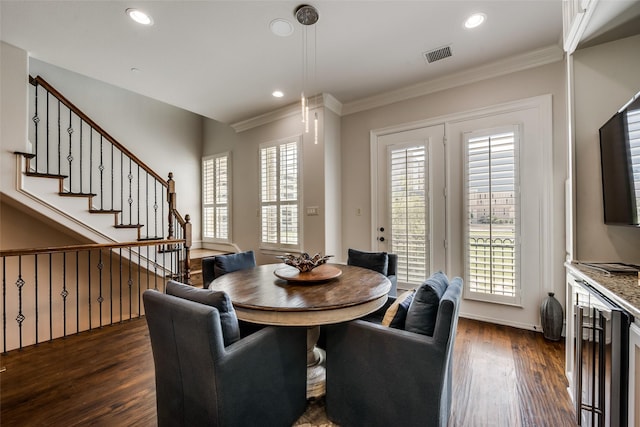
{"x":605,"y":78}
{"x":166,"y":138}
{"x":548,"y":79}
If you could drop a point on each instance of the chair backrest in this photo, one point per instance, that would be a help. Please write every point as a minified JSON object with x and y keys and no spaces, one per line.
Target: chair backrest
{"x":444,"y":335}
{"x":448,"y":310}
{"x":184,"y":334}
{"x":382,"y":262}
{"x":215,"y":266}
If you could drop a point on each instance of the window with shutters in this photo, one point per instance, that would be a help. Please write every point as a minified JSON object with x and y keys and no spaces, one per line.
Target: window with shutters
{"x":280,"y":195}
{"x":409,"y":210}
{"x":216,"y":198}
{"x":492,"y":215}
{"x":633,"y":122}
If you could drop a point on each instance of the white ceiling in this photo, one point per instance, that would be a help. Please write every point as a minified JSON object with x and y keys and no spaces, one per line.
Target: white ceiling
{"x":219,"y":58}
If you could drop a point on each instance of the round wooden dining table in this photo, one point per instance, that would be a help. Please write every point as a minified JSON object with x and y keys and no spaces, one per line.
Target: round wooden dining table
{"x":274,"y":294}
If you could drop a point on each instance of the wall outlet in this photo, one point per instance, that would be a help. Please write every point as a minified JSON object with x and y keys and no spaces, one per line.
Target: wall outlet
{"x":358,"y":212}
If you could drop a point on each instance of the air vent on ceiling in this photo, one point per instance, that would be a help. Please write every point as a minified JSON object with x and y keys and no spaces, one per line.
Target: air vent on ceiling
{"x":437,"y":54}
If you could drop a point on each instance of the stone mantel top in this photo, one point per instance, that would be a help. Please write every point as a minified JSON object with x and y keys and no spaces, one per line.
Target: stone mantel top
{"x":623,"y":289}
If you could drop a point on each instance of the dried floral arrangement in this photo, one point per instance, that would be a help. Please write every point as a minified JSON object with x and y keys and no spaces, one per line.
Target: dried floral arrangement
{"x":304,"y":262}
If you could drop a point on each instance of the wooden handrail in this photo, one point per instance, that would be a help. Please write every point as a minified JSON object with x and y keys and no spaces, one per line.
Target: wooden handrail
{"x":89,"y":246}
{"x":42,"y":82}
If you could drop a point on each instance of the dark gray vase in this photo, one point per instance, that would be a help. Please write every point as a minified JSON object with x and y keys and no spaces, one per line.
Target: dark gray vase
{"x":551,"y":317}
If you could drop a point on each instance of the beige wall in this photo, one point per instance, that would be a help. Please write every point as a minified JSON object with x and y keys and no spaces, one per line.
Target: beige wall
{"x":356,"y":190}
{"x":318,"y":179}
{"x":605,"y":78}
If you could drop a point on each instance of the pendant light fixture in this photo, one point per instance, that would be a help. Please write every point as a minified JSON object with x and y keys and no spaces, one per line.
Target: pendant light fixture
{"x":307,"y":16}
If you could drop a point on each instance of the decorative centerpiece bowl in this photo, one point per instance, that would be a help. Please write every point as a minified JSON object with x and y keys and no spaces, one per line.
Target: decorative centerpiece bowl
{"x":304,"y":263}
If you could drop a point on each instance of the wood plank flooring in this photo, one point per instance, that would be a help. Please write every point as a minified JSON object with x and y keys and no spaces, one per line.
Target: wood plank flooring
{"x":502,"y":377}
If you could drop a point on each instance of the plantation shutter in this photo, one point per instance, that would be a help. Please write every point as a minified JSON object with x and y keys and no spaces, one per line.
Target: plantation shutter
{"x":215,"y":197}
{"x":279,"y":194}
{"x":633,"y":122}
{"x":409,"y":208}
{"x":492,"y":214}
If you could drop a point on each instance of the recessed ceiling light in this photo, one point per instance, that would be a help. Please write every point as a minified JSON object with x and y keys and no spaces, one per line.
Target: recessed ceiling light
{"x":475,"y":20}
{"x":281,"y":27}
{"x":139,"y":16}
{"x":277,"y":94}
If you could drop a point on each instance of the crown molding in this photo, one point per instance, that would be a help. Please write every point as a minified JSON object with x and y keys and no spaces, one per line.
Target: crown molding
{"x":536,"y":58}
{"x":328,"y":101}
{"x":513,"y":64}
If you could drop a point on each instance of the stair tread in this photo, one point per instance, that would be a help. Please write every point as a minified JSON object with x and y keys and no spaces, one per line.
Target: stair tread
{"x":128,"y":225}
{"x":106,"y":211}
{"x":70,"y":194}
{"x":46,"y":175}
{"x":23,"y":154}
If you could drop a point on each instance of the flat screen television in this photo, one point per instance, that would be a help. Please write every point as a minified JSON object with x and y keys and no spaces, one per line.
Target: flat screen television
{"x":620,"y":158}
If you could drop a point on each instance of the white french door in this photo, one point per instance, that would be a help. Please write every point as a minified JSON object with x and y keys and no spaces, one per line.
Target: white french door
{"x":409,"y":198}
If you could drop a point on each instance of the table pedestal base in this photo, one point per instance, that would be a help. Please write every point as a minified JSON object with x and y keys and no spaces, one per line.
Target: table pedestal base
{"x":316,"y":373}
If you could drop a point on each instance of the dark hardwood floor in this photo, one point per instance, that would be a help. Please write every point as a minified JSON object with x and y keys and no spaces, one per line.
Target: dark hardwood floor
{"x":502,"y":377}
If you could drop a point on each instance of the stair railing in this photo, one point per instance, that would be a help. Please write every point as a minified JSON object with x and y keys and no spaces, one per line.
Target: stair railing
{"x":91,"y":163}
{"x":49,"y":293}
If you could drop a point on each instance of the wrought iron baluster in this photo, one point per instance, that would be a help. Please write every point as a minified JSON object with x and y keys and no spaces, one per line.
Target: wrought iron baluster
{"x":4,"y":304}
{"x":130,"y":281}
{"x":89,"y":285}
{"x":59,"y":142}
{"x":101,"y":168}
{"x":81,"y":144}
{"x":111,"y":284}
{"x":35,"y":264}
{"x":77,"y":291}
{"x":138,"y":207}
{"x":130,"y":200}
{"x":50,"y":297}
{"x":20,"y":284}
{"x":48,"y":130}
{"x":147,"y":203}
{"x":70,"y":155}
{"x":139,"y":281}
{"x":64,"y":294}
{"x":100,"y":298}
{"x":91,"y":162}
{"x":121,"y":189}
{"x":36,"y":120}
{"x":155,"y":206}
{"x":148,"y":270}
{"x":112,"y":184}
{"x":120,"y":284}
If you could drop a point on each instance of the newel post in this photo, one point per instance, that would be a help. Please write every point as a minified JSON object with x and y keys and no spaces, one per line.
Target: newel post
{"x":187,"y":246}
{"x":171,"y":200}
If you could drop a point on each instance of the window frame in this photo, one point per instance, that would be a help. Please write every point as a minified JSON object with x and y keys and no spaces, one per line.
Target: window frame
{"x":515,"y":300}
{"x":279,"y":246}
{"x":214,"y":204}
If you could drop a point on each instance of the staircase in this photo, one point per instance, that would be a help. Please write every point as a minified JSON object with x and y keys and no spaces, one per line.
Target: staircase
{"x":83,"y":178}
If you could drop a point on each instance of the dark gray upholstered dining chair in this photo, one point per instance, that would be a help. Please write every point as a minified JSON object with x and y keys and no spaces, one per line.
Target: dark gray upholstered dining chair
{"x":257,"y":380}
{"x":215,"y":266}
{"x":400,"y":375}
{"x":382,"y":262}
